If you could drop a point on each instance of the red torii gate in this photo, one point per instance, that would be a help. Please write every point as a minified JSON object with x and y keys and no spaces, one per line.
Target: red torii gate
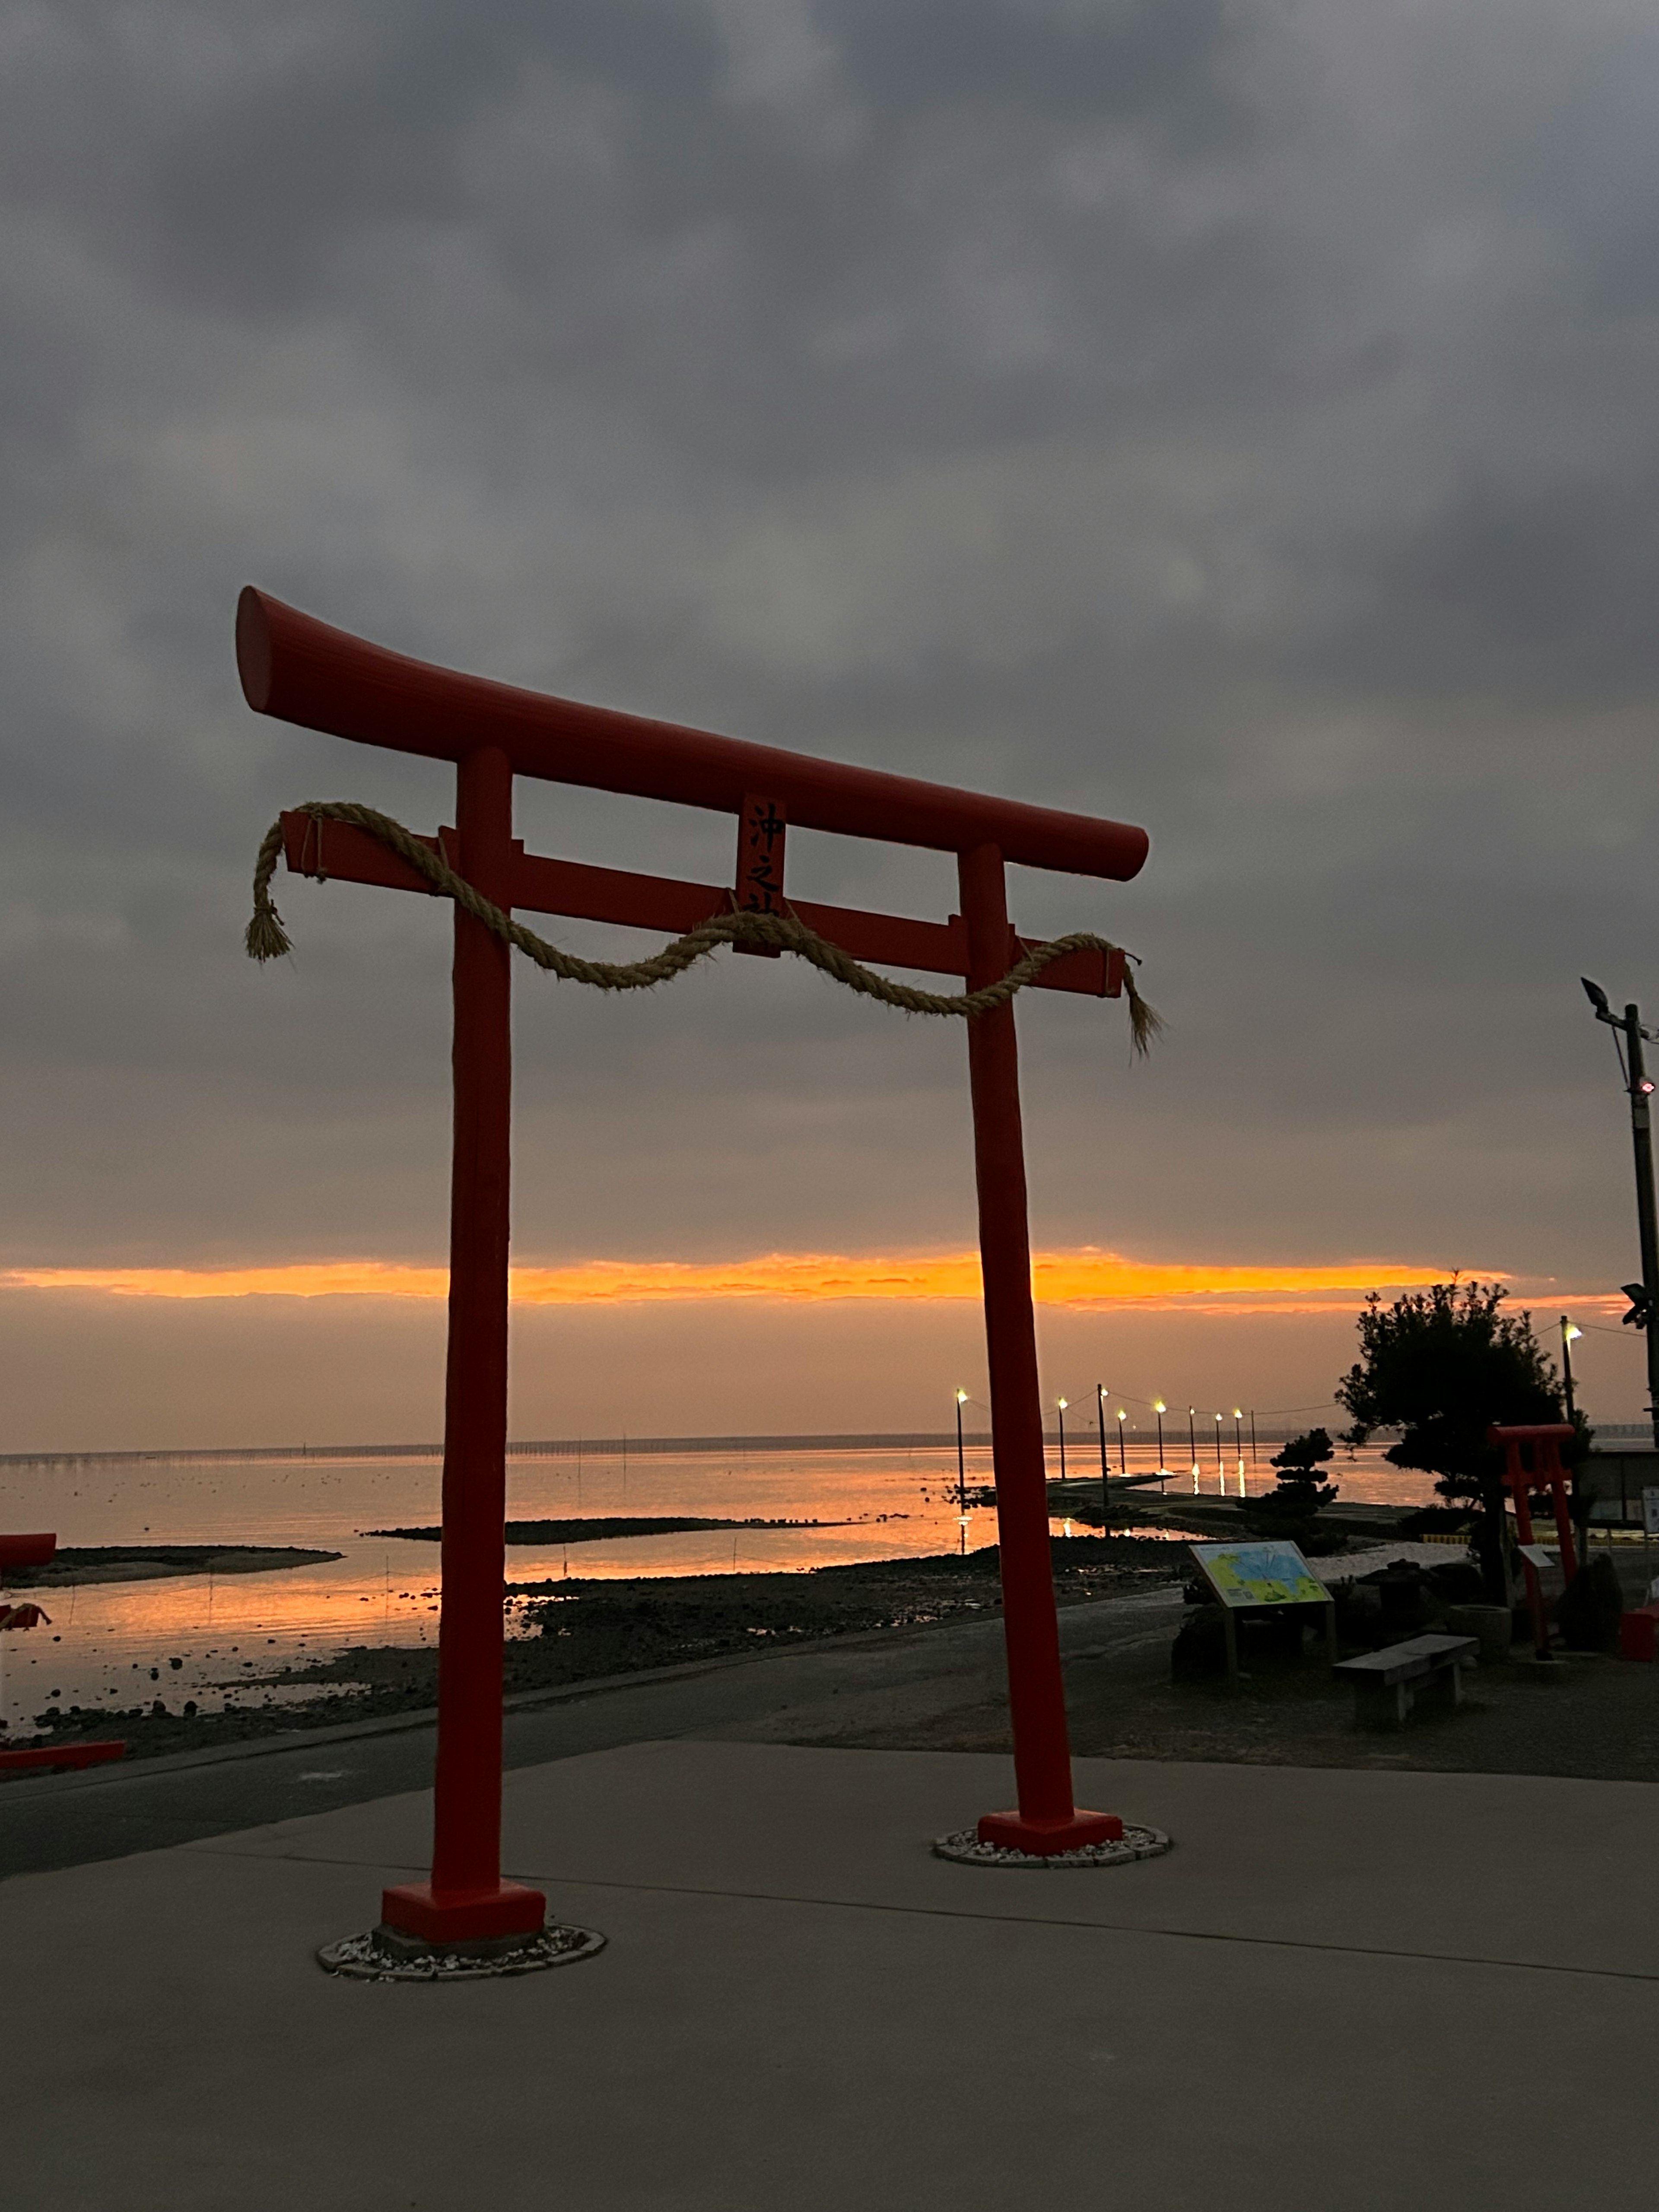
{"x":303,"y":671}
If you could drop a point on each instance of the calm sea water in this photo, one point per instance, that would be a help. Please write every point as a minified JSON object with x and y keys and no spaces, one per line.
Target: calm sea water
{"x":114,"y":1643}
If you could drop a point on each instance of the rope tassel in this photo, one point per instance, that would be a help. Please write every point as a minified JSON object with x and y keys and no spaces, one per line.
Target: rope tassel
{"x":267,"y":940}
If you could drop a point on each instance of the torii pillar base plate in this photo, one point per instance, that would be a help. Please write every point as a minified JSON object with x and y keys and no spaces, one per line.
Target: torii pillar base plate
{"x":509,"y":1910}
{"x":1046,"y":1840}
{"x":387,"y":1954}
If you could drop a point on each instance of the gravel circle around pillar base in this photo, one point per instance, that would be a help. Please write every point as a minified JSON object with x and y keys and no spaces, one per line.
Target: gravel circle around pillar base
{"x":367,"y":1958}
{"x":1136,"y":1842}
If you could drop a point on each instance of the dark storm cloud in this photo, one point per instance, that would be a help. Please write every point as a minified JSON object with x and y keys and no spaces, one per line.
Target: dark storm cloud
{"x":1233,"y":417}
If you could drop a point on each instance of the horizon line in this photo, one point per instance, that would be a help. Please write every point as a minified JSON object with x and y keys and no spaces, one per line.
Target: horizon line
{"x":1272,"y":1427}
{"x":613,"y":1447}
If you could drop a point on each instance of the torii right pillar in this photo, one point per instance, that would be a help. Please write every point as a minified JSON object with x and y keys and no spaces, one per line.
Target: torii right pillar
{"x":1046,"y":1822}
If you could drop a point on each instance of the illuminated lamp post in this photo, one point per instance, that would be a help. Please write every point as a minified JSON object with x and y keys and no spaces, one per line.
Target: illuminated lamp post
{"x":1570,"y":1335}
{"x":1122,"y":1453}
{"x":1160,"y":1409}
{"x":1639,"y":1084}
{"x":962,"y":1474}
{"x":1220,"y":1471}
{"x":1060,"y":1402}
{"x":1192,"y":1444}
{"x":1238,"y":1446}
{"x":1105,"y":1492}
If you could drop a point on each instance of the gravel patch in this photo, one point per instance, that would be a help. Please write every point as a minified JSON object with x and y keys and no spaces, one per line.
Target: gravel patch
{"x":1136,"y":1842}
{"x":369,"y":1958}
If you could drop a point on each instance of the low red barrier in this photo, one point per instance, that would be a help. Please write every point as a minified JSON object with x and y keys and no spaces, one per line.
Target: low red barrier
{"x":64,"y":1755}
{"x":26,"y":1550}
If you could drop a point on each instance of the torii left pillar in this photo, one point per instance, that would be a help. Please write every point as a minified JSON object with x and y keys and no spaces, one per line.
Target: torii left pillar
{"x":466,"y":1901}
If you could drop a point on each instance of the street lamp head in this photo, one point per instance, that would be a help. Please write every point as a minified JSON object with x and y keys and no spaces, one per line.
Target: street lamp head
{"x":1218,"y":1420}
{"x":1573,"y":1331}
{"x":1062,"y":1403}
{"x":1159,"y":1406}
{"x":1596,"y":996}
{"x":1121,"y":1414}
{"x":1238,"y":1412}
{"x":962,"y":1397}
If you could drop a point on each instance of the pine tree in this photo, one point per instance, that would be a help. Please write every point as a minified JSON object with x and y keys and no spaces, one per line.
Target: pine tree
{"x":1443,"y":1366}
{"x":1290,"y":1511}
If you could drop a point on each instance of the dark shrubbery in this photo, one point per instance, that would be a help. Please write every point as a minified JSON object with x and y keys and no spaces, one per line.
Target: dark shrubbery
{"x":1590,"y":1607}
{"x":1290,"y":1511}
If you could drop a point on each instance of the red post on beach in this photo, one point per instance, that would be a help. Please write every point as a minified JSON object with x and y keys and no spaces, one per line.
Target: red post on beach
{"x":1046,"y":1822}
{"x":466,"y":1898}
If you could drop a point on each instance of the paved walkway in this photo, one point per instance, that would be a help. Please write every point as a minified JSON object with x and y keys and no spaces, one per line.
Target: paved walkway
{"x":893,"y":1680}
{"x":1355,"y":1991}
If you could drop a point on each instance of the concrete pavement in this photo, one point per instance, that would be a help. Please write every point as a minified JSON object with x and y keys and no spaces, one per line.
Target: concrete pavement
{"x":1357,"y":1990}
{"x":884,"y":1680}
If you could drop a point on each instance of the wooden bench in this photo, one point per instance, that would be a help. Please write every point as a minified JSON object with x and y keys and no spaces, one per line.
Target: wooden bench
{"x":1385,"y":1683}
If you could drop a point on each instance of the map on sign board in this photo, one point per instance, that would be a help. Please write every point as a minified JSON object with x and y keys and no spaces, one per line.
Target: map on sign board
{"x":1258,"y":1574}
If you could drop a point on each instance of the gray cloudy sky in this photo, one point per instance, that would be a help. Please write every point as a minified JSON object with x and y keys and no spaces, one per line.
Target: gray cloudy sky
{"x":1233,"y":415}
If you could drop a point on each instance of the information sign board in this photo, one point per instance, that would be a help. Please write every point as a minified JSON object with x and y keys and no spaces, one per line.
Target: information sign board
{"x":1543,"y":1556}
{"x":1258,"y":1574}
{"x":1650,"y":1512}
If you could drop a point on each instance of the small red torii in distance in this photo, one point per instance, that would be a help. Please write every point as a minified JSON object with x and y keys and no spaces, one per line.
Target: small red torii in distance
{"x":303,"y":671}
{"x":1547,"y":1474}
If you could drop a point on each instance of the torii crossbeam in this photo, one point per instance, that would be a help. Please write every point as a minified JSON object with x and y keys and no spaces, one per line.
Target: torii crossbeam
{"x":302,"y":670}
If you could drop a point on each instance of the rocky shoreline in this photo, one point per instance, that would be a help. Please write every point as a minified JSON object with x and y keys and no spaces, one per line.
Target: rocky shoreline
{"x":573,"y":1630}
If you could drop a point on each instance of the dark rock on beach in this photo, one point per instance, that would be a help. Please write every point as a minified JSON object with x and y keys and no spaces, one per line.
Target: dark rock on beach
{"x":590,"y":1528}
{"x":133,"y":1563}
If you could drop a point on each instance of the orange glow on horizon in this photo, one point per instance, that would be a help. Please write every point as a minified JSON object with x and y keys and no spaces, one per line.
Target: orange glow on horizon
{"x":1081,"y":1278}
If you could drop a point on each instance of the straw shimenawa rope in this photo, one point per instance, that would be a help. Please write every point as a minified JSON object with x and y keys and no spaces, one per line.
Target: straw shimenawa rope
{"x":268,"y":940}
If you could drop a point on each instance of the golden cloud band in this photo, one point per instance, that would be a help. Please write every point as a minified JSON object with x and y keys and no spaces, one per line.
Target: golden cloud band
{"x":1079,"y":1278}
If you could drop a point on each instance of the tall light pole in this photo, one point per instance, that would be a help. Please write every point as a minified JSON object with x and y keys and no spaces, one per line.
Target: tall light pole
{"x":1220,"y":1471}
{"x":1060,"y":1402}
{"x":1160,"y":1409}
{"x":1123,"y":1448}
{"x":961,"y":1478}
{"x":1105,"y":1479}
{"x":1639,"y":1084}
{"x":1192,"y":1444}
{"x":1568,"y":1335}
{"x":1238,"y":1446}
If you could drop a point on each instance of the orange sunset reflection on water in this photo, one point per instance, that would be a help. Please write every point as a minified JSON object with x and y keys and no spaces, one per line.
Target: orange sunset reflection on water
{"x":113,"y":1643}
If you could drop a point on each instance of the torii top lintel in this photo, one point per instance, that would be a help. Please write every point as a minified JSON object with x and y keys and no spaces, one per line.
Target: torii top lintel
{"x":304,"y":671}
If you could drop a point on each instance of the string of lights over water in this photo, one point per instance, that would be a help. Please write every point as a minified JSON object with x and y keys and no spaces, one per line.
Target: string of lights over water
{"x":214,"y":1638}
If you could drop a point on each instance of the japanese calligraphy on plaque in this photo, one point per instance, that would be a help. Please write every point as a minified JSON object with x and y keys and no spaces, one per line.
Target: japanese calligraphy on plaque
{"x":759,"y":890}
